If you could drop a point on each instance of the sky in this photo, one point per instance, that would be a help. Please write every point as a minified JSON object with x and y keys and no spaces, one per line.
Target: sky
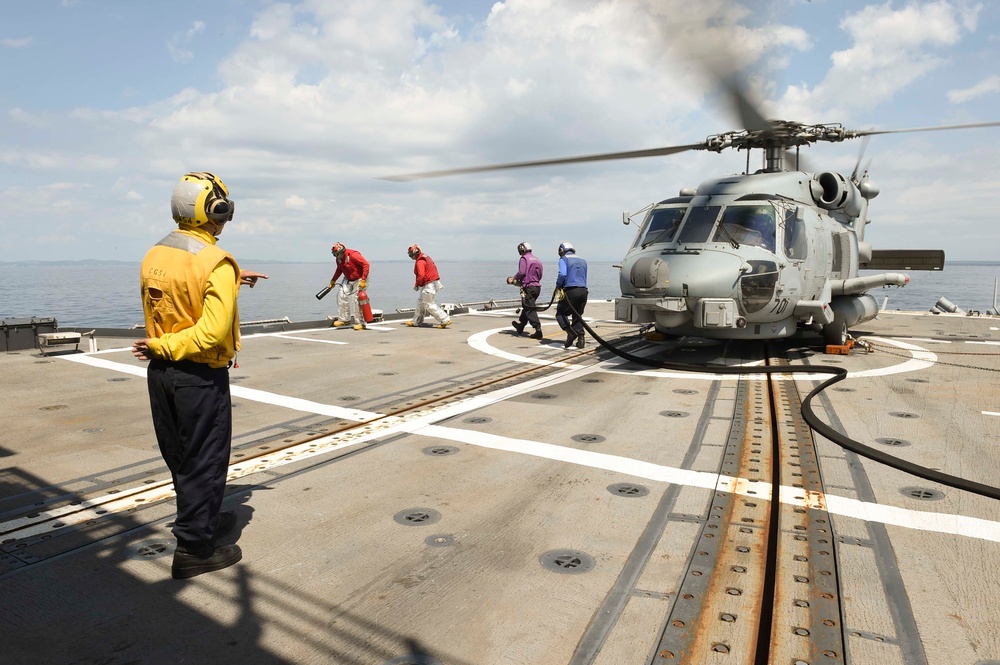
{"x":301,"y":107}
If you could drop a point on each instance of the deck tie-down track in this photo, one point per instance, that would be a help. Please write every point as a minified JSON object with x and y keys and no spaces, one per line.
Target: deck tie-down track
{"x":761,"y":583}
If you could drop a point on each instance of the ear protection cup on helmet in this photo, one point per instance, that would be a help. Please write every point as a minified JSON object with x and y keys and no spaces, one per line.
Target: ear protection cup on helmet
{"x":523,"y":248}
{"x":201,"y":197}
{"x":413,"y":251}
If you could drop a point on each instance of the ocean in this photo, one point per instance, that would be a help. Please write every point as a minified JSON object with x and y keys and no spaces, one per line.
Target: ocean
{"x":92,"y":294}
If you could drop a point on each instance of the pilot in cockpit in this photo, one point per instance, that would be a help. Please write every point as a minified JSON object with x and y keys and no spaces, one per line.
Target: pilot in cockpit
{"x":761,"y":221}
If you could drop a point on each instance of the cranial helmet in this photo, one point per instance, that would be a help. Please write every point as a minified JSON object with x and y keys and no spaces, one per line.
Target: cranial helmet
{"x":413,"y":251}
{"x":338,"y":249}
{"x":523,"y":248}
{"x":200,"y":198}
{"x":566,"y":248}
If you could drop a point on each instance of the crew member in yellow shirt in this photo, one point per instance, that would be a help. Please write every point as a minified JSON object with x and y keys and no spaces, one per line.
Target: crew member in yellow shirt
{"x":189,"y":291}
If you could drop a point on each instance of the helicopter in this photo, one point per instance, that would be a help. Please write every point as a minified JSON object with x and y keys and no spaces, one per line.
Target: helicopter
{"x":757,"y":255}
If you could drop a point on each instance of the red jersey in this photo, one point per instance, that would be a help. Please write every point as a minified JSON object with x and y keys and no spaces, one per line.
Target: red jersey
{"x":353,"y":266}
{"x":425,"y":270}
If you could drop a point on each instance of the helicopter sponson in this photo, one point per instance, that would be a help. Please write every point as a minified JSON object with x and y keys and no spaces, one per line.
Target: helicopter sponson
{"x":755,"y":257}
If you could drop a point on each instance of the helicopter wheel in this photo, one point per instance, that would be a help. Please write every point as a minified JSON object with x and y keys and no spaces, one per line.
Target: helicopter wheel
{"x":835,"y":333}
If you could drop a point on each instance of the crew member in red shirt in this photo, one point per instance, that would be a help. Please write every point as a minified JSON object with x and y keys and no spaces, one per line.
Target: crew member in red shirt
{"x":427,"y":284}
{"x":354,"y":268}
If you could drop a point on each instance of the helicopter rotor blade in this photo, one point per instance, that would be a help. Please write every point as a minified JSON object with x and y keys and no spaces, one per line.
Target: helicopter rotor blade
{"x":632,"y":154}
{"x":873,"y":132}
{"x":861,"y":153}
{"x":750,"y":116}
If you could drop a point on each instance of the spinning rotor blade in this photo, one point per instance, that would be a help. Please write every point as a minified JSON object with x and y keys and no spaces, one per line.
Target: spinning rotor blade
{"x":873,"y":132}
{"x":750,"y":116}
{"x":861,"y":153}
{"x":654,"y":152}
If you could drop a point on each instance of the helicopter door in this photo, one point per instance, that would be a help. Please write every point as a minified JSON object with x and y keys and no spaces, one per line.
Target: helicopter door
{"x":841,"y":255}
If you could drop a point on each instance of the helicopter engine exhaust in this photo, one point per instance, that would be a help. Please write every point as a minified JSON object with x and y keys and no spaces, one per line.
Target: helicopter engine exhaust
{"x":832,"y":191}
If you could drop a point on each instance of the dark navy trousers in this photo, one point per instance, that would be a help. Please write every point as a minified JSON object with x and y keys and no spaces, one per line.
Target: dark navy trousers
{"x":529,"y":294}
{"x":193,"y":420}
{"x":567,"y":320}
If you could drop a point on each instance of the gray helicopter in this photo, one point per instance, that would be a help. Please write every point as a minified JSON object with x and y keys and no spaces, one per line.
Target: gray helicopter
{"x":760,"y":255}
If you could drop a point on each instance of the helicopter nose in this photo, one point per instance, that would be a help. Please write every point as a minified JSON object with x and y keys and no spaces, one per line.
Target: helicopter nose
{"x":706,"y":274}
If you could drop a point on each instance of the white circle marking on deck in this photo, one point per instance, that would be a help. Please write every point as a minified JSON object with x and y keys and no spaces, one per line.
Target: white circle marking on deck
{"x":922,"y":359}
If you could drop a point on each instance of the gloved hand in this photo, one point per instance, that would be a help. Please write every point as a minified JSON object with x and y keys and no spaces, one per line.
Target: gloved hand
{"x":332,"y":283}
{"x":560,"y":294}
{"x":362,"y":284}
{"x":416,"y":288}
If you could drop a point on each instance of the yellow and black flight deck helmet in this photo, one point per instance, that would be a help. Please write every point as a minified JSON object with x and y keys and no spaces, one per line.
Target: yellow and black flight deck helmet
{"x":200,"y":198}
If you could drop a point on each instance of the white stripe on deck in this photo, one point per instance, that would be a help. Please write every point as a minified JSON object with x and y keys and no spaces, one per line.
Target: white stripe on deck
{"x":991,"y":413}
{"x":242,"y":392}
{"x":310,"y":339}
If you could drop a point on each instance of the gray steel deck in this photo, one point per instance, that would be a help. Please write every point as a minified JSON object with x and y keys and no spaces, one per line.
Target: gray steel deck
{"x":467,"y":496}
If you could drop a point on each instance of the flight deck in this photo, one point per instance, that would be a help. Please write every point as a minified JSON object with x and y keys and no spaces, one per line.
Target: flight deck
{"x":469,"y":496}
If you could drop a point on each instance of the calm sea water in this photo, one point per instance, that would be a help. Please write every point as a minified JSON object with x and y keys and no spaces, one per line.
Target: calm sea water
{"x":80,"y":295}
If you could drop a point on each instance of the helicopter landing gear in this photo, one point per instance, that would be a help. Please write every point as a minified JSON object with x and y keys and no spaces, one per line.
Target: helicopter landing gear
{"x":835,"y":333}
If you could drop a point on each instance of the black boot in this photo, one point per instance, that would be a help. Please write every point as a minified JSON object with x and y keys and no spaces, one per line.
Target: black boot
{"x":579,"y":341}
{"x":187,"y":564}
{"x":537,"y":334}
{"x":518,"y":326}
{"x":570,"y":336}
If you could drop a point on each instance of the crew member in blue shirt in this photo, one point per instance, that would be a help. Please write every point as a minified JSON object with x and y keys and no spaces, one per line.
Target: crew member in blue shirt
{"x":572,"y":280}
{"x":529,"y":278}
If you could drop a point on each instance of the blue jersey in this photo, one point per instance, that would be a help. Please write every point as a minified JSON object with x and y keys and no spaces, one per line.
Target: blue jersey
{"x":572,"y":272}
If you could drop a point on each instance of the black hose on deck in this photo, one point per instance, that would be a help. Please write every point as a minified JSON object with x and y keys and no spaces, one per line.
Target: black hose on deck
{"x":810,"y":416}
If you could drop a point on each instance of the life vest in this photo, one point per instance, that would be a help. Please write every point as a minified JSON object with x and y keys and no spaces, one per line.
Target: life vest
{"x":174,"y":277}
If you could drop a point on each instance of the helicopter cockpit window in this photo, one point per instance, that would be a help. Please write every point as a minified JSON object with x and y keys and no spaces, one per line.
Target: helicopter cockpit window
{"x":748,"y":225}
{"x":661,"y":226}
{"x":699,"y":224}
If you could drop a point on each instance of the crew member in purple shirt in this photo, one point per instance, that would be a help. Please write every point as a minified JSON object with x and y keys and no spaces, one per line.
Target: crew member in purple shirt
{"x":529,"y":278}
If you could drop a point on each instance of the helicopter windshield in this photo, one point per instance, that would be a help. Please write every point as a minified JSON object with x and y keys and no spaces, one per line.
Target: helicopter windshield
{"x":748,"y":225}
{"x":661,"y":225}
{"x":699,"y":224}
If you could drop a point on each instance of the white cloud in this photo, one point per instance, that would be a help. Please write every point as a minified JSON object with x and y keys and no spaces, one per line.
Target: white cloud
{"x":891,"y":48}
{"x":177,"y":43}
{"x":295,"y":202}
{"x":133,"y":195}
{"x":21,"y":116}
{"x":17,"y":42}
{"x":984,"y":87}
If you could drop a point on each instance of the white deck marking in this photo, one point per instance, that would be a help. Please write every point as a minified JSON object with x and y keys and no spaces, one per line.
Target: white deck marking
{"x":989,"y":343}
{"x":311,"y":339}
{"x":242,"y":392}
{"x":922,"y":359}
{"x":991,"y":413}
{"x":960,"y":525}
